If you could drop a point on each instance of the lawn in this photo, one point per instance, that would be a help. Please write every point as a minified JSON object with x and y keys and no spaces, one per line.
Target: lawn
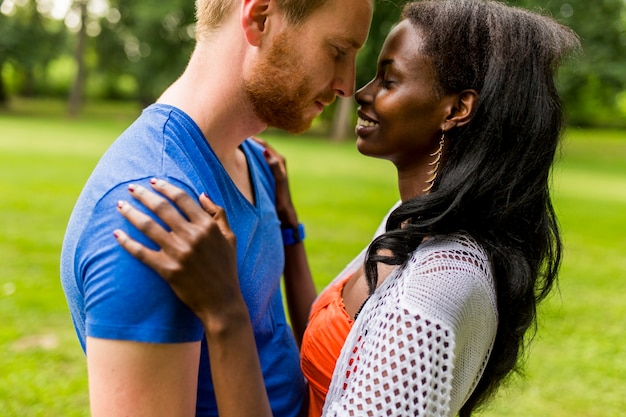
{"x":576,"y":366}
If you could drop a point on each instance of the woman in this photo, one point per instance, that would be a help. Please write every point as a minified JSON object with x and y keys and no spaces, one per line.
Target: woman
{"x":432,"y":316}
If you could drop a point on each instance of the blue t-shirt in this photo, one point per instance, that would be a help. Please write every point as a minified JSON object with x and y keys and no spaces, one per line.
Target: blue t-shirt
{"x":112,"y":295}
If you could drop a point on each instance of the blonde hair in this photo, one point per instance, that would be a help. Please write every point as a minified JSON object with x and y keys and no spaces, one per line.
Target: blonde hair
{"x":211,"y":13}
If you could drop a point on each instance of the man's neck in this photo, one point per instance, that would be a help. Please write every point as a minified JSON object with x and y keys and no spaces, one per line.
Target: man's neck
{"x":211,"y":92}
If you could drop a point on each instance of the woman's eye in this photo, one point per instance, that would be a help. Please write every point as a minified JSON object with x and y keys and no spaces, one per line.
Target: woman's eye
{"x":386,"y":79}
{"x":386,"y":82}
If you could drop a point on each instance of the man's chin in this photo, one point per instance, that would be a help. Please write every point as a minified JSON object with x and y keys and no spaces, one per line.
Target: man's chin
{"x":296,"y":127}
{"x":301,"y":129}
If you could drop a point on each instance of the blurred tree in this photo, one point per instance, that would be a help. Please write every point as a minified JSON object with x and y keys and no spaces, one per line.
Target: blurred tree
{"x":8,"y":40}
{"x":150,"y":41}
{"x":590,"y":83}
{"x":29,"y":42}
{"x":78,"y":87}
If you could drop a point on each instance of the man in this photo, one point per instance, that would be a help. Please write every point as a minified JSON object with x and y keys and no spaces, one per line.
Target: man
{"x":257,"y":63}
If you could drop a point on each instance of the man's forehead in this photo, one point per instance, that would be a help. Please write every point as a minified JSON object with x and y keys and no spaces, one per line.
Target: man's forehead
{"x":344,"y":22}
{"x":354,"y":28}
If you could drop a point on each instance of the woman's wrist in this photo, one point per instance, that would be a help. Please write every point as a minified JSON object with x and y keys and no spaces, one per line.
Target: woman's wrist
{"x":231,"y":318}
{"x":292,"y":234}
{"x":287,"y":217}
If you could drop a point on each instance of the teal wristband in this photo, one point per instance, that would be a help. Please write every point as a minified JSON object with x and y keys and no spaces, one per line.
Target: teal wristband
{"x":293,"y":235}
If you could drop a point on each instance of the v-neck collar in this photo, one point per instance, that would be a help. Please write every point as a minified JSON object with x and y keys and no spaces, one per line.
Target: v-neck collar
{"x":201,"y":142}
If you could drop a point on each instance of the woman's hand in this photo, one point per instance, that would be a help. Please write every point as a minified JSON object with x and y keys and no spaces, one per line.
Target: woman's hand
{"x":198,"y":257}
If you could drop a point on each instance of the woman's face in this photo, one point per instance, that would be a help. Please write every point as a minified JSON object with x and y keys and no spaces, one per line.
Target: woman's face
{"x":401,"y":114}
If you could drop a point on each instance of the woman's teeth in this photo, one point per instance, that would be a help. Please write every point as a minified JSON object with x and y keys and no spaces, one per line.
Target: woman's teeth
{"x":366,"y":123}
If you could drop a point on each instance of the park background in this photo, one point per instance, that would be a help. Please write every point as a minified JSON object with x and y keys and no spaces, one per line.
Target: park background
{"x":75,"y":73}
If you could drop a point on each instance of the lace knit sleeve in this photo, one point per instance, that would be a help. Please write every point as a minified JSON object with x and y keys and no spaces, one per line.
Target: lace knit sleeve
{"x":409,"y":343}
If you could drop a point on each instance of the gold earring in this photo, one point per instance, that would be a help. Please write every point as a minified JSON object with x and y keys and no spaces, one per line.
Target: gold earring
{"x":432,"y":174}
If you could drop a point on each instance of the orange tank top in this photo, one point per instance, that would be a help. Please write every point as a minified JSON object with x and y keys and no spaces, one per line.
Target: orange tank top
{"x":325,"y":335}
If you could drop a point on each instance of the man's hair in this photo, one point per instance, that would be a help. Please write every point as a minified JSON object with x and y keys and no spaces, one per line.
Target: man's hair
{"x":211,"y":13}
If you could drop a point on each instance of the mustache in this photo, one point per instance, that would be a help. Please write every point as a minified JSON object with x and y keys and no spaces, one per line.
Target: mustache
{"x":327,"y":98}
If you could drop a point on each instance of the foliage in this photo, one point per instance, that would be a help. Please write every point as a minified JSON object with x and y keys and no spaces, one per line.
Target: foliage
{"x":591,"y":82}
{"x":150,"y":41}
{"x":575,"y":368}
{"x":29,"y":42}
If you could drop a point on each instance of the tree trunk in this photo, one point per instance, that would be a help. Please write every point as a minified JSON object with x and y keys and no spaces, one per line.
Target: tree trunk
{"x":4,"y":97}
{"x":28,"y":90}
{"x":76,"y":95}
{"x":342,"y":127}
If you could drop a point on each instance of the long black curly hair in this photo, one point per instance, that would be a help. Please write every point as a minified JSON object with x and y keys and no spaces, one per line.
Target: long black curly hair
{"x":494,"y":179}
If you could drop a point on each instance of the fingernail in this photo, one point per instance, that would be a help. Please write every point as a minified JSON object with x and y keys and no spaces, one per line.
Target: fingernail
{"x":157,"y":182}
{"x":120,"y":204}
{"x":132,"y":188}
{"x":116,"y":234}
{"x":266,"y":153}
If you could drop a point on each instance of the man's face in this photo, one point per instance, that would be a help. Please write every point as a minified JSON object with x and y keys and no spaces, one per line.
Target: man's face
{"x":307,"y":66}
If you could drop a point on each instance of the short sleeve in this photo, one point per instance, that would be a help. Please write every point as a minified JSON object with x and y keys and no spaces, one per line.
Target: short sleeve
{"x":125,"y":299}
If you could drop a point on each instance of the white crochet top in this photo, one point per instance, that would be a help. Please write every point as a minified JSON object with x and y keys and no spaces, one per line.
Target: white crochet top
{"x":421,"y":342}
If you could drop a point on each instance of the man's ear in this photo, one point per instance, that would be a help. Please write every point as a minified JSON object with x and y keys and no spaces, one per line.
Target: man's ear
{"x":254,"y":14}
{"x":462,"y":109}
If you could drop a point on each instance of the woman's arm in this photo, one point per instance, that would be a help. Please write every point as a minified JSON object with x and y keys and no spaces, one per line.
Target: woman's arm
{"x":198,"y":259}
{"x":299,"y":287}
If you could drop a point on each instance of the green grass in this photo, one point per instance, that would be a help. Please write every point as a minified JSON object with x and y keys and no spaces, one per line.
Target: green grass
{"x":576,"y":366}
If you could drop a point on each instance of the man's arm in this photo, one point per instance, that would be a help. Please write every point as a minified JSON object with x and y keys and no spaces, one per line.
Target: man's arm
{"x":142,"y":379}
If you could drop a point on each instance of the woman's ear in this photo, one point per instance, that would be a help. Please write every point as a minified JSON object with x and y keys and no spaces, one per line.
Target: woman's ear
{"x":462,"y":109}
{"x":254,"y":14}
